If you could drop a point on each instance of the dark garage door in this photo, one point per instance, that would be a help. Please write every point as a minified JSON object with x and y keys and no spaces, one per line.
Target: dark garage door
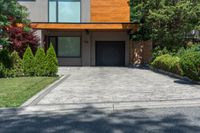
{"x":110,"y":53}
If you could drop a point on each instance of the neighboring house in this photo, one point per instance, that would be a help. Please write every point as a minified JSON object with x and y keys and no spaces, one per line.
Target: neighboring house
{"x":84,"y":32}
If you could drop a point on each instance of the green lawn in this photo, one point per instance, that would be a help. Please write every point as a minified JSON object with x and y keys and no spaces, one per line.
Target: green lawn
{"x":15,"y":91}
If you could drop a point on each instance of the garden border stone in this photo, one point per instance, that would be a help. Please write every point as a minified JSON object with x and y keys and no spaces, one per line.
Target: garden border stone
{"x":36,"y":98}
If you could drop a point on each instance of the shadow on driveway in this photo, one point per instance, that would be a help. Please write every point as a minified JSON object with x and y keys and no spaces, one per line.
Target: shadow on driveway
{"x":92,"y":120}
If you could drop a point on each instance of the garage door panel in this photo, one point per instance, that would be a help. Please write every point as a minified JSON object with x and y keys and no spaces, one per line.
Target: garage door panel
{"x":110,"y":53}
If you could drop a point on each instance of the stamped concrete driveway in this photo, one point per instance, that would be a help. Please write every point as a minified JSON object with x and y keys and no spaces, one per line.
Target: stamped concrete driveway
{"x":94,"y":100}
{"x":118,"y":85}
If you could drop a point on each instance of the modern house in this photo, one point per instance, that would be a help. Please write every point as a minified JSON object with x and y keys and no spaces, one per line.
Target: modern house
{"x":84,"y":32}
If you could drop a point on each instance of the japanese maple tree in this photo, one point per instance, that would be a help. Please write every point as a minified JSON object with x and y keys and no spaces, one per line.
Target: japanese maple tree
{"x":12,"y":35}
{"x":20,"y":39}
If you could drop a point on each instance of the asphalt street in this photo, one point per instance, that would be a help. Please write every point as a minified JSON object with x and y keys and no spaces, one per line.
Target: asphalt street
{"x":92,"y":120}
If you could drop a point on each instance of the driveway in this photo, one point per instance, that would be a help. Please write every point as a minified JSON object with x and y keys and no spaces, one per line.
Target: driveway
{"x":119,"y":87}
{"x":95,"y":100}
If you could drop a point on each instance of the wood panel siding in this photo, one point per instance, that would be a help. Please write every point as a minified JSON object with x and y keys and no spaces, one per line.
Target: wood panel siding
{"x":110,"y":26}
{"x":110,"y":11}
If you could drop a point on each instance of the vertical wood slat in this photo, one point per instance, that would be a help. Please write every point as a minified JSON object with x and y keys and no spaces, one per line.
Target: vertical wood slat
{"x":110,"y":11}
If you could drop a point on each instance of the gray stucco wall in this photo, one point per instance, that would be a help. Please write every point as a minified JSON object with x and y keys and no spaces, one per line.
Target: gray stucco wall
{"x":85,"y":11}
{"x":38,"y":10}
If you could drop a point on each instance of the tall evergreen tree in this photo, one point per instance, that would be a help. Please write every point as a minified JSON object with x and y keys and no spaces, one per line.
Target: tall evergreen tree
{"x":28,"y":62}
{"x":40,"y":59}
{"x":51,"y":62}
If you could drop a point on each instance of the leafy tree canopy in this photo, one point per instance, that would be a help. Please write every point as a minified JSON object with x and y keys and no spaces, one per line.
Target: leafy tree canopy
{"x":166,"y":22}
{"x":11,"y":13}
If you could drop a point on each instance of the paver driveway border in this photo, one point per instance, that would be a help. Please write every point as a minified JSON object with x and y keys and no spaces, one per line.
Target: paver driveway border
{"x":35,"y":99}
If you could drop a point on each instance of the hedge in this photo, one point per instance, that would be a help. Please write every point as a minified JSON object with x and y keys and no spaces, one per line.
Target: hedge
{"x":39,"y":64}
{"x":28,"y":62}
{"x":5,"y":58}
{"x":51,"y":62}
{"x":190,"y":64}
{"x":11,"y":65}
{"x":168,"y":63}
{"x":2,"y":70}
{"x":17,"y":69}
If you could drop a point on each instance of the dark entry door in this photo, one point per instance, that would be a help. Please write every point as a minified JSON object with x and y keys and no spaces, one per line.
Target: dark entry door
{"x":110,"y":53}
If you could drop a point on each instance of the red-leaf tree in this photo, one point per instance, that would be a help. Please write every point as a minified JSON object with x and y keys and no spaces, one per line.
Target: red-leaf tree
{"x":21,"y":38}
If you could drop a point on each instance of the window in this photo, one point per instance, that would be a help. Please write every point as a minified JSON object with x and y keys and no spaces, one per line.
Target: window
{"x":67,"y":46}
{"x":52,"y":11}
{"x":64,"y":10}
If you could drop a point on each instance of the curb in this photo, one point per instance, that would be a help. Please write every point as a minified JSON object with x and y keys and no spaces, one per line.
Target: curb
{"x":102,"y":107}
{"x":38,"y":97}
{"x":173,"y":75}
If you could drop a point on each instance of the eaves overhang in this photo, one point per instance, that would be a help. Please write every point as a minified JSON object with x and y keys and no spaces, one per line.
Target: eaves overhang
{"x":84,"y":26}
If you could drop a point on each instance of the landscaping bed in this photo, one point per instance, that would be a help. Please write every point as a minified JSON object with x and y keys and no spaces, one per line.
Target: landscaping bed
{"x":15,"y":91}
{"x":186,"y":62}
{"x":23,"y":77}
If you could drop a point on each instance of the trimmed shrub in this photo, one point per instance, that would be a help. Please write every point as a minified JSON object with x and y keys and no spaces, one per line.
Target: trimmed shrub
{"x":28,"y":62}
{"x":5,"y":59}
{"x":51,"y":62}
{"x":40,"y":59}
{"x":17,"y":69}
{"x":168,"y":63}
{"x":190,"y":64}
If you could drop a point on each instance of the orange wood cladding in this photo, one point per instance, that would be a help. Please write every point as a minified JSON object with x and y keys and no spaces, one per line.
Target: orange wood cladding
{"x":84,"y":26}
{"x":110,"y":11}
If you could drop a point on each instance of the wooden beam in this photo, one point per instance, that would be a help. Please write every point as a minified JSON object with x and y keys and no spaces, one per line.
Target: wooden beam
{"x":92,"y":26}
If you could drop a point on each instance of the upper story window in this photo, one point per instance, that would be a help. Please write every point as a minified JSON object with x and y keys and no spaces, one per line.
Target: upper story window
{"x":64,"y":10}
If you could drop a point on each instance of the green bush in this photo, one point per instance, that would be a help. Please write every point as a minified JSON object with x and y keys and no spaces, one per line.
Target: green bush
{"x":51,"y":62}
{"x":2,"y":70}
{"x":17,"y":69}
{"x":28,"y":62}
{"x":5,"y":58}
{"x":157,"y":51}
{"x":195,"y":48}
{"x":168,"y":63}
{"x":180,"y":52}
{"x":40,"y":59}
{"x":190,"y":64}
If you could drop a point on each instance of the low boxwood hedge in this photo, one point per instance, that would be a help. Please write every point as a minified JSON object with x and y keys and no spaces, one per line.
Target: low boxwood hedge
{"x":2,"y":70}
